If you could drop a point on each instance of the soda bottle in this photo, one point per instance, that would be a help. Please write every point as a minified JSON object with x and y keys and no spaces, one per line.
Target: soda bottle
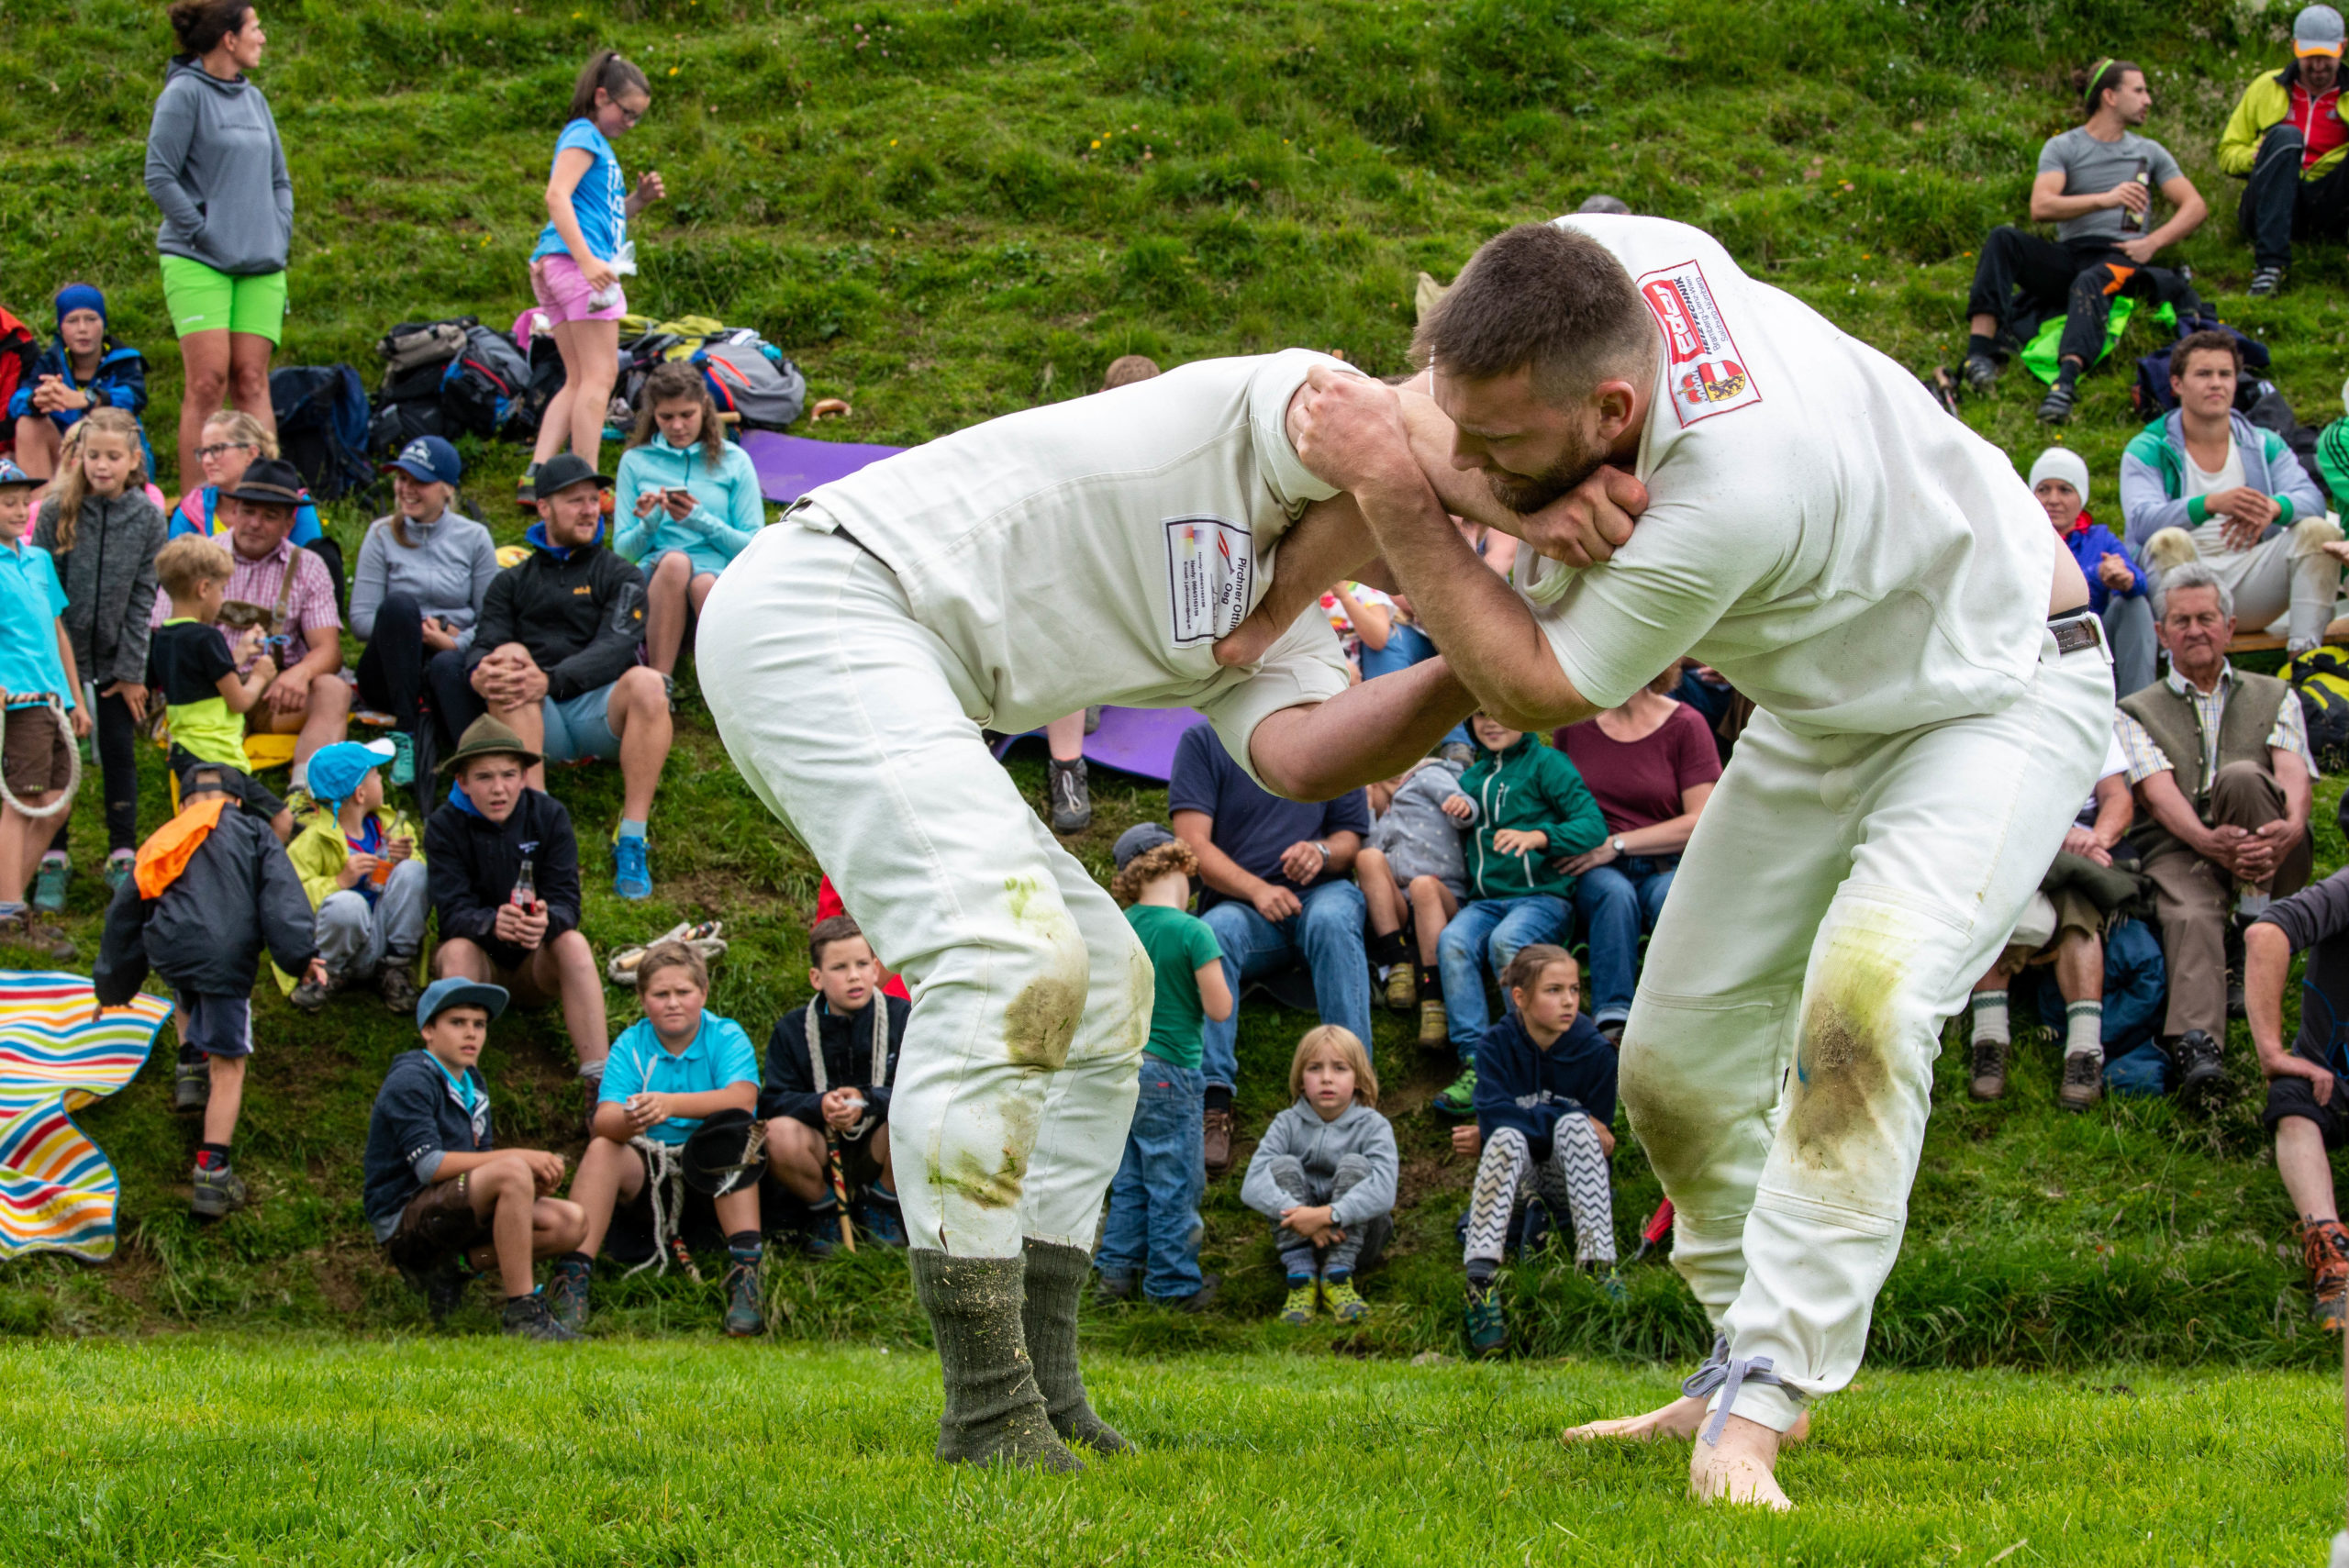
{"x":2132,"y":224}
{"x":526,"y":887}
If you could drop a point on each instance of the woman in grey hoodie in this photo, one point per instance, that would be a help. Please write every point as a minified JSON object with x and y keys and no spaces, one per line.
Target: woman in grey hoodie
{"x":215,"y":167}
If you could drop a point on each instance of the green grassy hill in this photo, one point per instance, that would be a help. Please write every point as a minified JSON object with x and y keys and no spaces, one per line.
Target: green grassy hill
{"x":977,"y":210}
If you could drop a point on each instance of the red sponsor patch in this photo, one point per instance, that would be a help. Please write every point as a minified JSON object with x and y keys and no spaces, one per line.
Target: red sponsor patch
{"x":1704,"y":375}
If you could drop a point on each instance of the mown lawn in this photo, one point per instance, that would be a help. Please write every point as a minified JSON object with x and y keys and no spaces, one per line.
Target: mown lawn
{"x":218,"y":1451}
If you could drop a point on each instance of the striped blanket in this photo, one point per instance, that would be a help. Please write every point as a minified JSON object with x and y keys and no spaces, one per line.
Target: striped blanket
{"x":56,"y":1191}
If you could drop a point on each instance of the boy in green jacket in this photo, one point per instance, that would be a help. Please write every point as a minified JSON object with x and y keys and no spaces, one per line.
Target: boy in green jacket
{"x":1531,"y":812}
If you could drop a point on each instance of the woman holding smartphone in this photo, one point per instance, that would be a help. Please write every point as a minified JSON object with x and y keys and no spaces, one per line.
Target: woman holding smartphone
{"x":688,"y":503}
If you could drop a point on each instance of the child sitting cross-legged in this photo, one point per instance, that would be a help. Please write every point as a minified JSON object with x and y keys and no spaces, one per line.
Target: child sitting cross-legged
{"x":673,"y":1068}
{"x":829,"y":1068}
{"x":1325,"y":1174}
{"x":358,"y":861}
{"x":191,"y":667}
{"x":1545,"y":1114}
{"x":36,"y":670}
{"x":443,"y":1201}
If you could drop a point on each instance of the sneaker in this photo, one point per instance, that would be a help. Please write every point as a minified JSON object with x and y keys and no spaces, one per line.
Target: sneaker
{"x":191,"y":1085}
{"x":396,"y":983}
{"x":443,"y":1286}
{"x":526,"y":1318}
{"x":403,"y":759}
{"x":1215,"y":1134}
{"x":1485,"y":1325}
{"x":880,"y":1223}
{"x":525,"y":489}
{"x":1989,"y":1070}
{"x":1610,"y":1284}
{"x":1198,"y":1300}
{"x":1345,"y":1302}
{"x":567,"y":1292}
{"x":48,"y":885}
{"x":1981,"y":372}
{"x":2201,"y":1074}
{"x":1114,"y":1287}
{"x":1402,"y":987}
{"x":301,"y":803}
{"x":2325,"y":1247}
{"x":1435,"y":1029}
{"x":2083,"y":1080}
{"x":1458,"y":1100}
{"x":311,"y":996}
{"x":1297,"y":1310}
{"x":217,"y":1192}
{"x":822,"y":1237}
{"x":1070,"y":796}
{"x":119,"y":867}
{"x":2055,"y":409}
{"x":669,"y":690}
{"x":744,"y":1318}
{"x":631,"y":867}
{"x":2265,"y":281}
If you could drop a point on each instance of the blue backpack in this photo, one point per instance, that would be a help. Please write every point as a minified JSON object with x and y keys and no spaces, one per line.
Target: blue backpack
{"x":322,"y":428}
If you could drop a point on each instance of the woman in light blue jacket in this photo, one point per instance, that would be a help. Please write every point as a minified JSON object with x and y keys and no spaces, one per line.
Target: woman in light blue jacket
{"x":688,"y":503}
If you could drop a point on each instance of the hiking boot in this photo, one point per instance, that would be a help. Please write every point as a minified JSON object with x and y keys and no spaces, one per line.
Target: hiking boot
{"x":527,"y":1317}
{"x":1485,"y":1325}
{"x":744,"y":1320}
{"x":1435,"y":1029}
{"x":2083,"y":1080}
{"x":443,"y":1286}
{"x":1216,"y":1135}
{"x":1608,"y":1281}
{"x":1070,"y":796}
{"x":1114,"y":1287}
{"x":403,"y":759}
{"x":1458,"y":1100}
{"x":525,"y":489}
{"x":879,"y":1222}
{"x":1402,"y":987}
{"x":396,"y":983}
{"x":818,"y":1244}
{"x":568,"y":1294}
{"x":311,"y":996}
{"x":2266,"y":282}
{"x":191,"y":1085}
{"x":2200,"y":1074}
{"x":1981,"y":372}
{"x":631,"y":867}
{"x":1989,"y":1070}
{"x":26,"y":929}
{"x":1198,"y":1300}
{"x":119,"y":867}
{"x":217,"y":1192}
{"x":2325,"y":1247}
{"x":48,"y":884}
{"x":1345,"y":1302}
{"x":2055,"y":409}
{"x":1297,"y":1310}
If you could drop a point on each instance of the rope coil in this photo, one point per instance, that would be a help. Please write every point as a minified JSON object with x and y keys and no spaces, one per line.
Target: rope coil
{"x":64,"y":801}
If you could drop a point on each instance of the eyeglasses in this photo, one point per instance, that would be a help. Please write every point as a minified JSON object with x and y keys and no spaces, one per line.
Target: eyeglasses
{"x":216,"y":450}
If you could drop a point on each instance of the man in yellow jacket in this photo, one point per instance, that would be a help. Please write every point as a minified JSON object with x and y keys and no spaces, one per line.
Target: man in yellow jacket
{"x":2285,"y":141}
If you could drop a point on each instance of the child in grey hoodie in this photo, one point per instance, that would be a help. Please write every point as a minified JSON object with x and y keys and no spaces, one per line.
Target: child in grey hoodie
{"x":1414,"y":873}
{"x":1325,"y":1175}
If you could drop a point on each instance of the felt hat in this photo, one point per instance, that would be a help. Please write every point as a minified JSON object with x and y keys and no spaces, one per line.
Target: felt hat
{"x":338,"y":770}
{"x":269,"y":481}
{"x":559,"y":473}
{"x":456,"y":991}
{"x":486,"y":736}
{"x":727,"y":1149}
{"x":2064,"y":463}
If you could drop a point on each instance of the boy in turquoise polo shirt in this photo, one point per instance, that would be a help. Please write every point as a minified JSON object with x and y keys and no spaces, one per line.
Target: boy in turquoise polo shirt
{"x":669,"y":1070}
{"x":37,"y":675}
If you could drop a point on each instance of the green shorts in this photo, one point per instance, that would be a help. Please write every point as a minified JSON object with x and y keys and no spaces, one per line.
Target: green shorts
{"x":202,"y":299}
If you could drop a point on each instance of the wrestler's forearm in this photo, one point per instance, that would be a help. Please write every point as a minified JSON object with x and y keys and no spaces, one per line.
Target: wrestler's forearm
{"x":1365,"y":733}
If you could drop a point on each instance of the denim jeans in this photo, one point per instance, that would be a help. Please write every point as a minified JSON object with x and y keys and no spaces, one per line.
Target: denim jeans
{"x":1617,"y":902}
{"x":1489,"y":929}
{"x":1326,"y":938}
{"x":1154,"y":1199}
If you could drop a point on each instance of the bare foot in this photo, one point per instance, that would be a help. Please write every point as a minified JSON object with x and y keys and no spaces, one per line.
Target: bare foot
{"x":1679,"y":1419}
{"x":1739,"y":1468}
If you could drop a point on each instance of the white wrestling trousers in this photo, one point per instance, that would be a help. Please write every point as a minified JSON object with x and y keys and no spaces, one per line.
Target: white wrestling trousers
{"x":1032,"y":995}
{"x":1838,"y":899}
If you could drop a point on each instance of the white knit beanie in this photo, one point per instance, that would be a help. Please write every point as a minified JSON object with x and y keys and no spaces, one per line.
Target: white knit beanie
{"x":2064,"y":463}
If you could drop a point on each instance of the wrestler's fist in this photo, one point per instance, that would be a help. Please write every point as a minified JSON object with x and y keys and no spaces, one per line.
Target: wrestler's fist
{"x":1589,"y":523}
{"x":1347,"y":429}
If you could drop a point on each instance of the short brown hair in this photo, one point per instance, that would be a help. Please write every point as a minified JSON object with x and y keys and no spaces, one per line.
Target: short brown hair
{"x":839,"y":928}
{"x":1524,"y":972}
{"x":1349,"y":1047}
{"x":671,"y":955}
{"x":2102,"y":77}
{"x":188,"y":561}
{"x":2209,"y":340}
{"x":1149,"y":866}
{"x":1542,"y":298}
{"x":1127,"y":369}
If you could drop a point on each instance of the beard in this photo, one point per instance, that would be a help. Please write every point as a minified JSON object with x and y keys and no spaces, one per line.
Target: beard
{"x":1528,"y":494}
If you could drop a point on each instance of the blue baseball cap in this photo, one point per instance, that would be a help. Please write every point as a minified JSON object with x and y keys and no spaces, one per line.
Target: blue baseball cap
{"x":457,"y":991}
{"x":430,"y":460}
{"x":338,"y":770}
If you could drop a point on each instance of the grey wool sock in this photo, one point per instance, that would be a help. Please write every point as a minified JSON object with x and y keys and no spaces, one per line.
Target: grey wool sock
{"x":1055,"y":1275}
{"x":994,"y":1413}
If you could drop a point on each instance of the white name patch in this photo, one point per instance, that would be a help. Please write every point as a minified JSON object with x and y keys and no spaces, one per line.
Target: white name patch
{"x":1705,"y":375}
{"x":1209,"y":569}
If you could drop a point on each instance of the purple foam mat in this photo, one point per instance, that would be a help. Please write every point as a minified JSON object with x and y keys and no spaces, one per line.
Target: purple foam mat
{"x":1138,"y":740}
{"x":790,"y":466}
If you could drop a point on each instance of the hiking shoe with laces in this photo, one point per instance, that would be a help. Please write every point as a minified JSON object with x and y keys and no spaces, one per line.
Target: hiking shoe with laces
{"x":2265,"y":281}
{"x":525,"y":489}
{"x":1981,"y":372}
{"x":1345,"y":1303}
{"x":1071,"y":798}
{"x":880,"y":1223}
{"x":1989,"y":1070}
{"x":818,"y":1245}
{"x":1611,"y":1283}
{"x":527,"y":1317}
{"x":311,"y":996}
{"x":1114,"y":1287}
{"x":2200,"y":1074}
{"x":1216,"y":1129}
{"x":403,"y":771}
{"x":631,"y":867}
{"x":1459,"y":1098}
{"x":217,"y":1192}
{"x":1435,"y":1029}
{"x":1298,"y":1309}
{"x":119,"y":867}
{"x":2083,"y":1080}
{"x":48,"y":884}
{"x":191,"y":1085}
{"x":1485,"y":1324}
{"x":2325,"y":1247}
{"x":744,"y":1318}
{"x":567,"y":1292}
{"x":396,"y":982}
{"x":2055,"y":409}
{"x":1198,"y":1300}
{"x":443,"y":1286}
{"x":1402,"y":987}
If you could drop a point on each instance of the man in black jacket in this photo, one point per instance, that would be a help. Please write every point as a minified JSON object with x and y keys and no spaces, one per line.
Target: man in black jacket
{"x":211,"y":889}
{"x":554,"y":658}
{"x":838,"y":1092}
{"x":494,"y":928}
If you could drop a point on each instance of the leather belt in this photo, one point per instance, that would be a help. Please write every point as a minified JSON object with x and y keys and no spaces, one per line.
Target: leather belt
{"x":2076,"y":630}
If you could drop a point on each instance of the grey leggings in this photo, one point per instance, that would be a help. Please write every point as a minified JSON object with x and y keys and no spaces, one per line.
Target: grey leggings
{"x":1573,"y":1178}
{"x":1364,"y":1242}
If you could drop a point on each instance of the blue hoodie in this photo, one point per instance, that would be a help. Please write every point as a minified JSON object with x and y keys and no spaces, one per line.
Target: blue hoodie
{"x":1521,"y":1085}
{"x":119,"y":381}
{"x":728,"y":515}
{"x":2089,"y":542}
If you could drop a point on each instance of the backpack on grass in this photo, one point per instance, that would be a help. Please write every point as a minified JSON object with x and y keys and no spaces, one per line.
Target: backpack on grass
{"x":322,"y":428}
{"x":2321,"y":677}
{"x":753,"y":381}
{"x":485,"y":385}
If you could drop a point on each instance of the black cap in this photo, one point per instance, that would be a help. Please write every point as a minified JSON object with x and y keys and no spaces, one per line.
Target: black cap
{"x":272,"y":481}
{"x":562,"y":472}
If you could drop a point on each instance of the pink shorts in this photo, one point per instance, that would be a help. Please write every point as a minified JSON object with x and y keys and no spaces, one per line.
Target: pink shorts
{"x":563,"y":294}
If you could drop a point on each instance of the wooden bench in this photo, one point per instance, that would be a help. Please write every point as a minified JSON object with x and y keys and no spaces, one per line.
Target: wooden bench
{"x":2267,"y":642}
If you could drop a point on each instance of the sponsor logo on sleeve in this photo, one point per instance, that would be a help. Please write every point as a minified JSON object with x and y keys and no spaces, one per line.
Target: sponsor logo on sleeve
{"x":1210,"y":567}
{"x":1705,"y":375}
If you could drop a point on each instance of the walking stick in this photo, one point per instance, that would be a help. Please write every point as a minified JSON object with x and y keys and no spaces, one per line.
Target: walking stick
{"x":840,"y":1186}
{"x":1653,"y":1230}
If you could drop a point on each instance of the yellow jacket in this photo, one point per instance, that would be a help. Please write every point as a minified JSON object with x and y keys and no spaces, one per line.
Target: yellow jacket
{"x":2263,"y":106}
{"x":319,"y":851}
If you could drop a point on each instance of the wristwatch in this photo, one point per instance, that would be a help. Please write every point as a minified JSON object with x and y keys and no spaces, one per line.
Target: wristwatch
{"x":1323,"y":847}
{"x":1616,"y":844}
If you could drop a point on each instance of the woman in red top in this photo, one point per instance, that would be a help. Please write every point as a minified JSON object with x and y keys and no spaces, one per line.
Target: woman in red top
{"x":1651,"y":764}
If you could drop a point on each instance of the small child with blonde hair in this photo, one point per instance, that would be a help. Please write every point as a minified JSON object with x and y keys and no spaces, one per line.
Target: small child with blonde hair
{"x":1325,"y":1175}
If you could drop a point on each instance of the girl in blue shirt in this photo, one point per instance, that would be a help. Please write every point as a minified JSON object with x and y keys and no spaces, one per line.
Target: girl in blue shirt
{"x":581,"y":253}
{"x":688,"y":503}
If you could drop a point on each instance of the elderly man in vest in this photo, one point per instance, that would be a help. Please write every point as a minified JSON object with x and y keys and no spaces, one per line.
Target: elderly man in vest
{"x":2220,"y":765}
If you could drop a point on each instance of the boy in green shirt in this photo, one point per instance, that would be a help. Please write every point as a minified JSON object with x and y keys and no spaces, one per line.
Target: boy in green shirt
{"x":1154,"y":1220}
